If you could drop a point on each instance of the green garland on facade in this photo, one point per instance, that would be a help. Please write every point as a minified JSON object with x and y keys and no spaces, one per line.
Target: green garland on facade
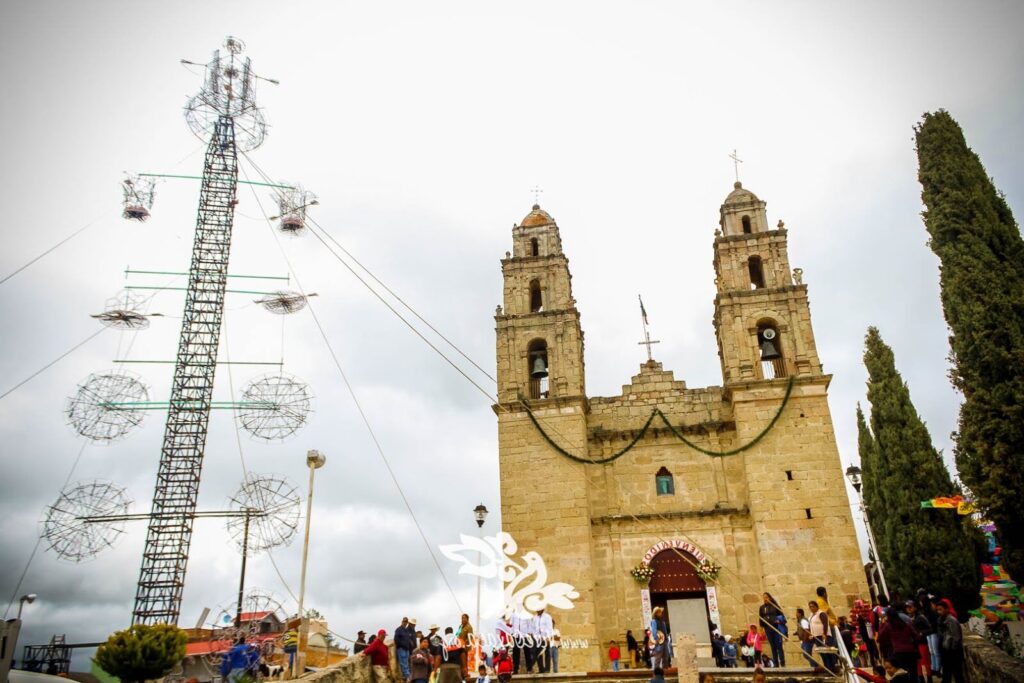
{"x":675,"y":432}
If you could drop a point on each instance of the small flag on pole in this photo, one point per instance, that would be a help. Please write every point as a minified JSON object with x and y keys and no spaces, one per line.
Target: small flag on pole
{"x":643,"y":311}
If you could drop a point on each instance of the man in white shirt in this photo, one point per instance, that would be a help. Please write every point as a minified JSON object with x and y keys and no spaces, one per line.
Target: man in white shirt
{"x":545,"y":629}
{"x":530,"y":639}
{"x":515,"y":627}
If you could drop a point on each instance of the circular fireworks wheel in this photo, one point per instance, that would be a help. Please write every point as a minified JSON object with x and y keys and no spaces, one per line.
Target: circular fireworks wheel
{"x":106,"y":406}
{"x":275,"y":407}
{"x":258,"y":607}
{"x":275,"y":505}
{"x":75,"y":526}
{"x":284,"y":302}
{"x":124,"y":311}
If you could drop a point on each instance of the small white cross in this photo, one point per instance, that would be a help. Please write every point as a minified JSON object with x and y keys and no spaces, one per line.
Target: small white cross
{"x":537,"y":192}
{"x":736,"y":161}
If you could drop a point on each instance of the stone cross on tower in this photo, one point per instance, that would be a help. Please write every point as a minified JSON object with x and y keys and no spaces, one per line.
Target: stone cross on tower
{"x":736,"y":161}
{"x":647,"y":333}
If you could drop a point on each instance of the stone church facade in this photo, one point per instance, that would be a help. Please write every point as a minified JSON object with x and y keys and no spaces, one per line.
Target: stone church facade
{"x":746,"y":475}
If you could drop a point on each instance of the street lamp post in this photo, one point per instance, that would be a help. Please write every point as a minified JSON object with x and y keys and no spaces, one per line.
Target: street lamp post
{"x":29,"y":598}
{"x":479,"y":514}
{"x":314,"y":460}
{"x":853,"y":473}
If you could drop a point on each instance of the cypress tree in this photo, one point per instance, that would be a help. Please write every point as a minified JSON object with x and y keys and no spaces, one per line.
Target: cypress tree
{"x":922,"y":548}
{"x":982,"y":276}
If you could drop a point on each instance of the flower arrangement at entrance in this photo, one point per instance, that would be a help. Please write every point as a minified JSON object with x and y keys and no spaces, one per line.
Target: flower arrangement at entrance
{"x":707,"y":570}
{"x":642,"y":573}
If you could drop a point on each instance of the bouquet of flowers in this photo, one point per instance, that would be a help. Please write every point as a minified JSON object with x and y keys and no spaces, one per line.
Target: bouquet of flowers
{"x":708,"y":570}
{"x":642,"y":573}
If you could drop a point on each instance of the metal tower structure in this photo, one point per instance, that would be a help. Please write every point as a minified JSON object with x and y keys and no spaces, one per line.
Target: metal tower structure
{"x":225,"y":103}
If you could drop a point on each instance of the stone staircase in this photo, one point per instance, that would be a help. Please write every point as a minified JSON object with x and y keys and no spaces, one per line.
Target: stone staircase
{"x":740,"y":675}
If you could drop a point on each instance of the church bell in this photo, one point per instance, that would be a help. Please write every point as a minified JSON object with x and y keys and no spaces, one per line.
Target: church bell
{"x":768,"y":349}
{"x":540,"y":368}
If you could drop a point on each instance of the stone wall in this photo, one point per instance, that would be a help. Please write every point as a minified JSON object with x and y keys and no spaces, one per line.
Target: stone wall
{"x":986,"y":663}
{"x":357,"y":669}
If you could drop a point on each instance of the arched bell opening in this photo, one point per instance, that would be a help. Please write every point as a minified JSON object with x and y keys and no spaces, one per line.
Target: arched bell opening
{"x":756,"y":270}
{"x":537,"y":367}
{"x":536,"y":298}
{"x":769,"y":344}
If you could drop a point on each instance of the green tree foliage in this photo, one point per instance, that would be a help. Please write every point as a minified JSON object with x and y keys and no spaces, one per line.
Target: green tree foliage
{"x":982,"y":275}
{"x":920,"y":548}
{"x":870,"y":473}
{"x":142,"y":652}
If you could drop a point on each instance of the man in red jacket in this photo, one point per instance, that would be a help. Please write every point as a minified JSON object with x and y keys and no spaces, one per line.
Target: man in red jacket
{"x":377,"y":651}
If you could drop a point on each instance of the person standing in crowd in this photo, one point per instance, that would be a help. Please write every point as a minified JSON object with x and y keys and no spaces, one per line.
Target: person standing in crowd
{"x":465,"y":635}
{"x":436,"y":645}
{"x":420,"y":662}
{"x":481,"y":674}
{"x":631,"y":649}
{"x":803,"y":633}
{"x":752,"y":652}
{"x":728,"y":652}
{"x":716,"y":648}
{"x":405,"y":643}
{"x":769,"y":614}
{"x":515,"y":629}
{"x":951,"y":642}
{"x":614,"y":654}
{"x":897,"y":641}
{"x":924,"y":628}
{"x":544,"y":628}
{"x":818,"y":622}
{"x":823,"y":605}
{"x":846,"y":633}
{"x":926,"y":607}
{"x":503,"y":666}
{"x":529,"y":626}
{"x":659,"y":675}
{"x":646,"y":646}
{"x":866,"y":632}
{"x":240,"y":661}
{"x":554,"y":647}
{"x":659,"y":639}
{"x":452,"y":659}
{"x":377,"y":650}
{"x":360,"y":643}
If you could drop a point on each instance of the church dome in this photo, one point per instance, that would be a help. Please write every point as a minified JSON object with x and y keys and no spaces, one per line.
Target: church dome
{"x":537,"y":217}
{"x":740,"y":195}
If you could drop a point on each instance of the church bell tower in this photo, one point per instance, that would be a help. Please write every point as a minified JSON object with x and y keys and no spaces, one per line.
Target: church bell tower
{"x":762,"y":318}
{"x":540,"y":344}
{"x":545,"y":502}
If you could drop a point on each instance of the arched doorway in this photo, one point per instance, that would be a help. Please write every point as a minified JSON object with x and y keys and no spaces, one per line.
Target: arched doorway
{"x":677,"y":587}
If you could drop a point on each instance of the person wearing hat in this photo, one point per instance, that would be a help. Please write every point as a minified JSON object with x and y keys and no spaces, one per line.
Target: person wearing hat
{"x":377,"y":651}
{"x":405,"y":643}
{"x":360,"y":643}
{"x":436,"y":644}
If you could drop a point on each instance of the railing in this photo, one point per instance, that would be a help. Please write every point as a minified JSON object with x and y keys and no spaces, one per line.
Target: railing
{"x":773,"y":369}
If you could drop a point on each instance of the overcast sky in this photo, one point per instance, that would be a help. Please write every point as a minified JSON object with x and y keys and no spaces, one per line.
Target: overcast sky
{"x":422,"y":128}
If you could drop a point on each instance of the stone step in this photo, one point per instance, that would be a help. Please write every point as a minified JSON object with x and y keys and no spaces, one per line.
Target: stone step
{"x":738,"y":675}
